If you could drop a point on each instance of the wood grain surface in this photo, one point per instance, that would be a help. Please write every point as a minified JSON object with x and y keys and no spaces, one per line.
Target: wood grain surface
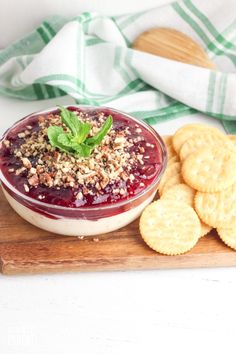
{"x":27,"y":249}
{"x":172,"y":44}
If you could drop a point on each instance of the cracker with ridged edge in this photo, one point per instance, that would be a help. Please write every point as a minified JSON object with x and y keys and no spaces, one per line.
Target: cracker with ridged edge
{"x":170,"y":151}
{"x":217,"y":209}
{"x":188,"y":130}
{"x":172,"y":181}
{"x":172,"y":160}
{"x":170,"y":171}
{"x":167,"y":139}
{"x":232,"y":138}
{"x":205,"y":229}
{"x":185,"y":194}
{"x":204,"y":139}
{"x":228,"y":236}
{"x":170,"y":227}
{"x":180,"y":193}
{"x":210,"y":169}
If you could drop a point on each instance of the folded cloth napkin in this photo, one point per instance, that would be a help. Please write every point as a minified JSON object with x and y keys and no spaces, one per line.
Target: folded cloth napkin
{"x":90,"y":58}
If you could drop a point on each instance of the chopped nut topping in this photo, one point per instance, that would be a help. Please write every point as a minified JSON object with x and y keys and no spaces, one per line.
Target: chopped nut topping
{"x":18,"y":154}
{"x":149,"y":145}
{"x":34,"y":180}
{"x":141,"y":149}
{"x":122,"y":191}
{"x":131,"y":177}
{"x":33,"y":170}
{"x":109,"y":165}
{"x":26,"y":162}
{"x":26,"y":188}
{"x":6,"y":143}
{"x":20,"y":170}
{"x":79,"y":195}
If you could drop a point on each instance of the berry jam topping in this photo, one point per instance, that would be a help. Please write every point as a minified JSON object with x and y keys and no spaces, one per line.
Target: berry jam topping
{"x":123,"y":165}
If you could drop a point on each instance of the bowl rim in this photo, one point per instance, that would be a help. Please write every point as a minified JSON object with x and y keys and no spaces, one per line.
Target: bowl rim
{"x":44,"y":205}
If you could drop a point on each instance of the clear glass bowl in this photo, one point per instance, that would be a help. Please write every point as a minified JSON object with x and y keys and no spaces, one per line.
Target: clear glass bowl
{"x":83,"y":221}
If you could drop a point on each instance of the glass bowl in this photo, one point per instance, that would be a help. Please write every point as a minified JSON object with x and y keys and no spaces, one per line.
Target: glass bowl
{"x":82,"y":221}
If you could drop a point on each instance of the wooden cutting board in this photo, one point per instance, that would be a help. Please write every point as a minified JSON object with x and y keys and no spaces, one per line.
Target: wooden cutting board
{"x":27,"y":249}
{"x":173,"y":44}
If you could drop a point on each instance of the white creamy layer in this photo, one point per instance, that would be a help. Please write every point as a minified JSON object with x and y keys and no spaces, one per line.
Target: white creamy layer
{"x":78,"y":227}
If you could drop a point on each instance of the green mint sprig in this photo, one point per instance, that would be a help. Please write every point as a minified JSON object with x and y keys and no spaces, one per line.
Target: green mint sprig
{"x":76,"y":141}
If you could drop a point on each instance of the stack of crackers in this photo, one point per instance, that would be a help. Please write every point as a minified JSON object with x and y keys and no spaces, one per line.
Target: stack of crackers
{"x":197,"y":191}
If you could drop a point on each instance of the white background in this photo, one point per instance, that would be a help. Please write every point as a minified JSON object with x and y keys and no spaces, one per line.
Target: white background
{"x":173,"y":311}
{"x":19,"y":16}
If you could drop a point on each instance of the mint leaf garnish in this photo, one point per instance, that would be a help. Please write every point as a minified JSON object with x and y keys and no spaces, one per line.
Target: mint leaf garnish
{"x":71,"y":120}
{"x":83,"y":150}
{"x":76,"y":141}
{"x":83,"y":133}
{"x":97,"y":139}
{"x":53,"y":133}
{"x":65,"y":140}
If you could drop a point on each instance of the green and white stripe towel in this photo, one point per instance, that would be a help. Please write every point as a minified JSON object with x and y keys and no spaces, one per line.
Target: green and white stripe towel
{"x":89,"y":57}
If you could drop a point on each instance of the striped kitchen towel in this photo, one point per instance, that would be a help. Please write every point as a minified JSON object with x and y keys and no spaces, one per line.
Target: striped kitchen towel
{"x":89,"y":57}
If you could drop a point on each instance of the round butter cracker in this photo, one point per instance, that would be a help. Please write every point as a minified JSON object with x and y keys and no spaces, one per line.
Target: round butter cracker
{"x":204,"y":139}
{"x":172,"y":160}
{"x":188,"y":130}
{"x":232,"y":138}
{"x":217,"y":209}
{"x":170,"y":227}
{"x":167,"y":139}
{"x":172,"y":170}
{"x":210,"y":169}
{"x":205,"y":229}
{"x":172,"y":181}
{"x":228,"y":236}
{"x":185,"y":194}
{"x":170,"y":151}
{"x":180,"y":193}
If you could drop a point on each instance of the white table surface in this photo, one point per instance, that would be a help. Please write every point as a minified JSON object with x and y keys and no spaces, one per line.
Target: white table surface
{"x":171,"y":311}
